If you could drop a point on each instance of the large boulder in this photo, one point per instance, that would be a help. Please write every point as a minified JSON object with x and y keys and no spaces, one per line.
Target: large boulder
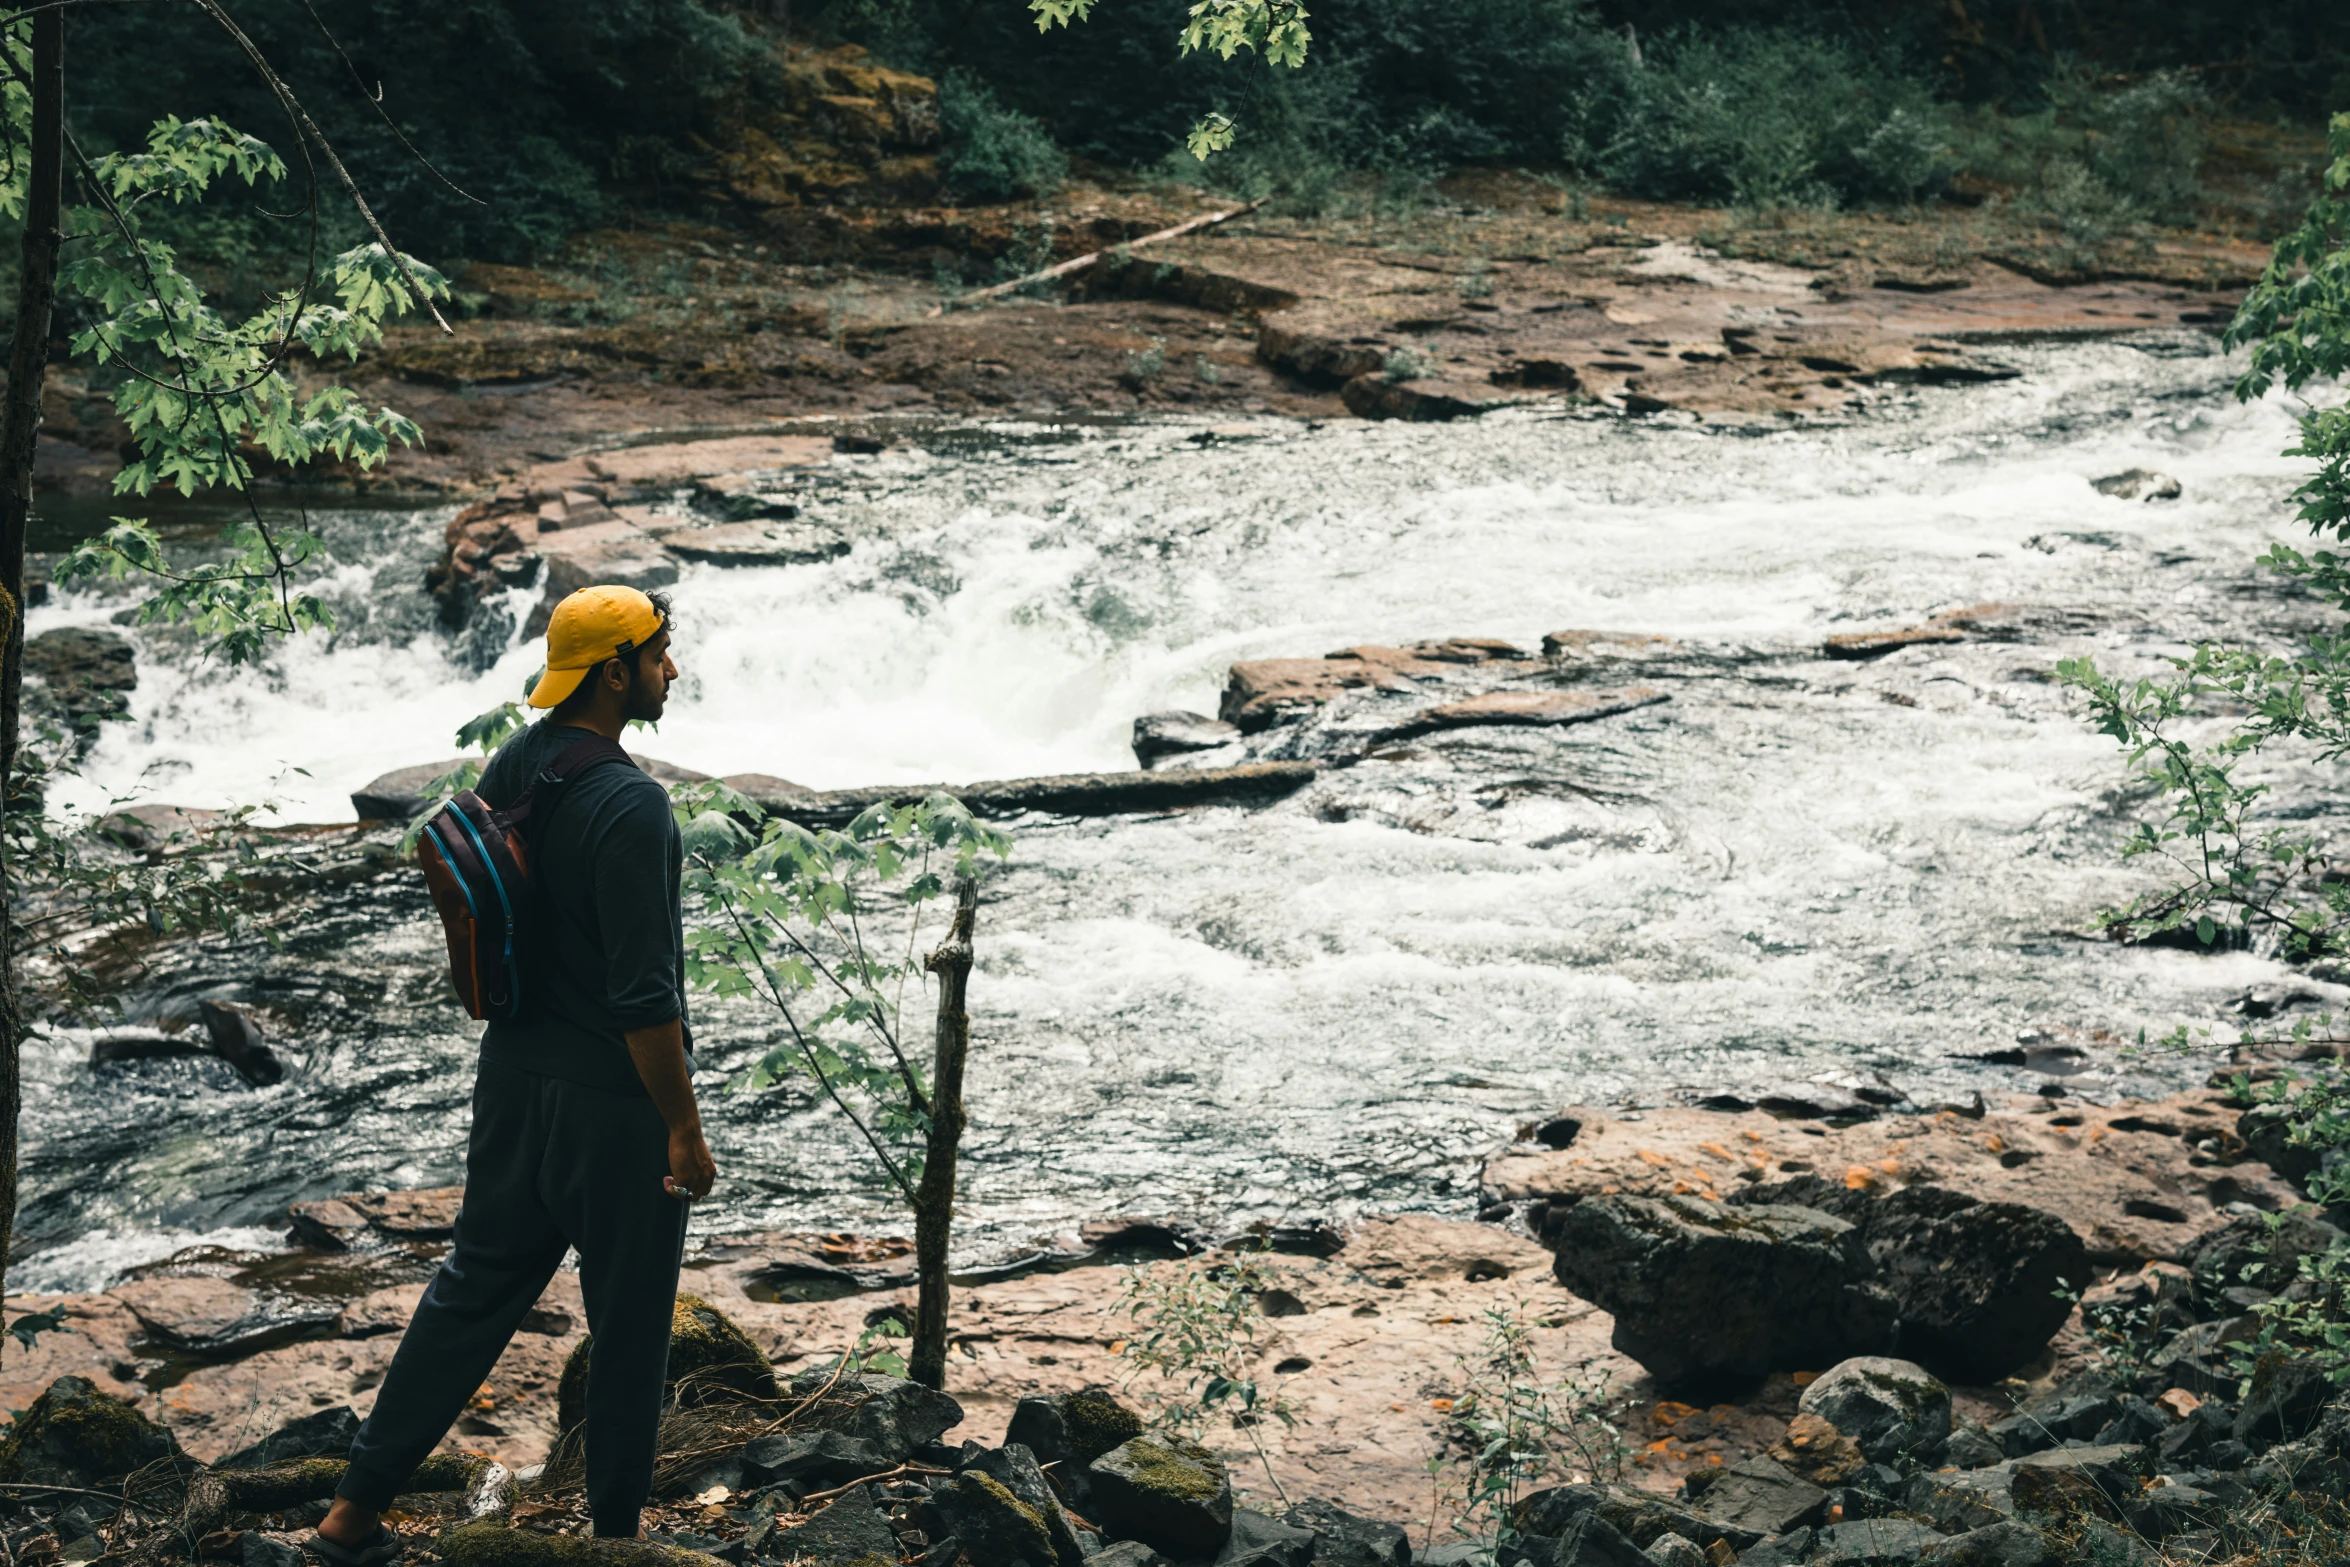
{"x":1172,"y":1495}
{"x":74,"y":1435}
{"x":1892,"y":1409}
{"x":1978,"y":1287}
{"x":1706,"y":1296}
{"x":710,"y":1359}
{"x":811,"y":1460}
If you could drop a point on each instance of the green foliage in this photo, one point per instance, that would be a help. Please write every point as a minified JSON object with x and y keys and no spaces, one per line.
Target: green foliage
{"x":527,"y":110}
{"x":992,"y":153}
{"x":201,"y":389}
{"x":824,"y":927}
{"x":2090,"y":160}
{"x":1519,"y":1433}
{"x":1763,"y":118}
{"x":1273,"y":29}
{"x":2236,"y":868}
{"x":1196,"y":1327}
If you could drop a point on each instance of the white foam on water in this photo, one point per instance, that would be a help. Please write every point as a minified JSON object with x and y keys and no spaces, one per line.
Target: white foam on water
{"x":104,"y":1258}
{"x":1349,"y":997}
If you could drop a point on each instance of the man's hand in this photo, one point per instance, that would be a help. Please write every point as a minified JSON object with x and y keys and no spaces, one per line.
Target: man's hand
{"x":691,"y":1168}
{"x":659,"y":1053}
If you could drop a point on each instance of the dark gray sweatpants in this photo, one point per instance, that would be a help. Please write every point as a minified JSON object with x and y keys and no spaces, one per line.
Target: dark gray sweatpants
{"x":549,"y":1165}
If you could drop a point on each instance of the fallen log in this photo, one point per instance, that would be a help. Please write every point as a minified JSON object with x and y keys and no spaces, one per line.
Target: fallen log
{"x":1068,"y":794}
{"x":1093,"y":257}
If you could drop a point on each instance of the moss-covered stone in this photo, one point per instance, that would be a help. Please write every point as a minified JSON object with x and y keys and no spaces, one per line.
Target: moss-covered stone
{"x":75,"y":1435}
{"x":492,"y":1544}
{"x":1097,"y":1422}
{"x":1172,"y":1495}
{"x":996,"y":1527}
{"x":708,"y":1354}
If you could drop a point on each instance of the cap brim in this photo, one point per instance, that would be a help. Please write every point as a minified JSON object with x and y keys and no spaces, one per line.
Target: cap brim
{"x":555,"y":685}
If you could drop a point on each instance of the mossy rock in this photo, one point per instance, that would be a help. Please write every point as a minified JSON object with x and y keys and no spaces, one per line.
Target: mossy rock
{"x":1072,"y":1428}
{"x":996,"y":1527}
{"x":706,"y":1350}
{"x":492,"y":1544}
{"x":77,"y":1436}
{"x":1172,"y":1495}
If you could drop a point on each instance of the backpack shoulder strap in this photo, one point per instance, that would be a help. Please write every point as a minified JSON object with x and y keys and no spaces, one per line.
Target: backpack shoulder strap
{"x":582,"y":755}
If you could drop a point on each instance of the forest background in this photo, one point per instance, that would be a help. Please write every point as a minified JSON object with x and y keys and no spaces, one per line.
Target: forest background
{"x":559,"y":117}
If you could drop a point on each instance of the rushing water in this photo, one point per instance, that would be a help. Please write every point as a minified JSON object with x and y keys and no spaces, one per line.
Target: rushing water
{"x":1346,"y":999}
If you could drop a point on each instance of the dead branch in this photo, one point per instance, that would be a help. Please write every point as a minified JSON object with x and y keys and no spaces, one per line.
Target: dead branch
{"x":1091,"y":257}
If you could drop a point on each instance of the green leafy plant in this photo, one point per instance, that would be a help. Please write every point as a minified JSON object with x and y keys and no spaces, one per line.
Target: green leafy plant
{"x":2237,"y":870}
{"x":201,"y":389}
{"x":1196,"y":1326}
{"x":1407,"y":364}
{"x":1274,"y":30}
{"x":1144,"y":365}
{"x":1516,"y":1432}
{"x":825,"y":929}
{"x":992,"y":153}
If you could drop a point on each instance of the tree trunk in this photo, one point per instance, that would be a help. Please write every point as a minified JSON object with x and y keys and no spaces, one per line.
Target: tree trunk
{"x":934,"y":1199}
{"x":20,"y":425}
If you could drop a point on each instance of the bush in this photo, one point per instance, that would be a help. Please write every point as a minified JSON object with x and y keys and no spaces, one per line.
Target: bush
{"x":992,"y":153}
{"x":1763,"y":117}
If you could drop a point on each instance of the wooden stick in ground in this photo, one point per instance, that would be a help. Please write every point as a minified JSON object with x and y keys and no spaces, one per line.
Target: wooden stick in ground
{"x":1080,"y":263}
{"x":934,"y":1199}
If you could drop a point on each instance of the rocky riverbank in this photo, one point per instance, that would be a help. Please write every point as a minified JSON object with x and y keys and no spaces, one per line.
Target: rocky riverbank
{"x":1368,"y":1332}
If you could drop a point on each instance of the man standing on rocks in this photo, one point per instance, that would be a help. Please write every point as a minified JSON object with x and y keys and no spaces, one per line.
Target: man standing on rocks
{"x":585,"y":1131}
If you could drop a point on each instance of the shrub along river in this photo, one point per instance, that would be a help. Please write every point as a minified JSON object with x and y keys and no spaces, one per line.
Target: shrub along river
{"x":1793,"y":867}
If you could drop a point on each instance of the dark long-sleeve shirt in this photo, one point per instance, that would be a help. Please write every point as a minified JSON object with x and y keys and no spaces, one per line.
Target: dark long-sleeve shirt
{"x":611,"y":958}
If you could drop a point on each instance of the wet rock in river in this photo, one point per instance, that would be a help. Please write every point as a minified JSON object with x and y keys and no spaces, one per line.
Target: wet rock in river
{"x":237,"y":1040}
{"x":327,"y":1224}
{"x":1876,"y":644}
{"x":404,"y":791}
{"x":88,"y":670}
{"x":74,"y":1435}
{"x":1705,"y":1295}
{"x":772,"y":543}
{"x":2137,"y":484}
{"x":1260,"y":693}
{"x":151,"y":829}
{"x":1526,"y":707}
{"x":1180,"y":739}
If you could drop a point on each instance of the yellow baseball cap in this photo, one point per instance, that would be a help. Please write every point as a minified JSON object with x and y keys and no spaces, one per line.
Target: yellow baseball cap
{"x":588,"y":627}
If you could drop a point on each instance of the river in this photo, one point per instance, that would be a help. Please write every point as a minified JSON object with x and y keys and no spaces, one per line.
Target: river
{"x":1344,"y":1001}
